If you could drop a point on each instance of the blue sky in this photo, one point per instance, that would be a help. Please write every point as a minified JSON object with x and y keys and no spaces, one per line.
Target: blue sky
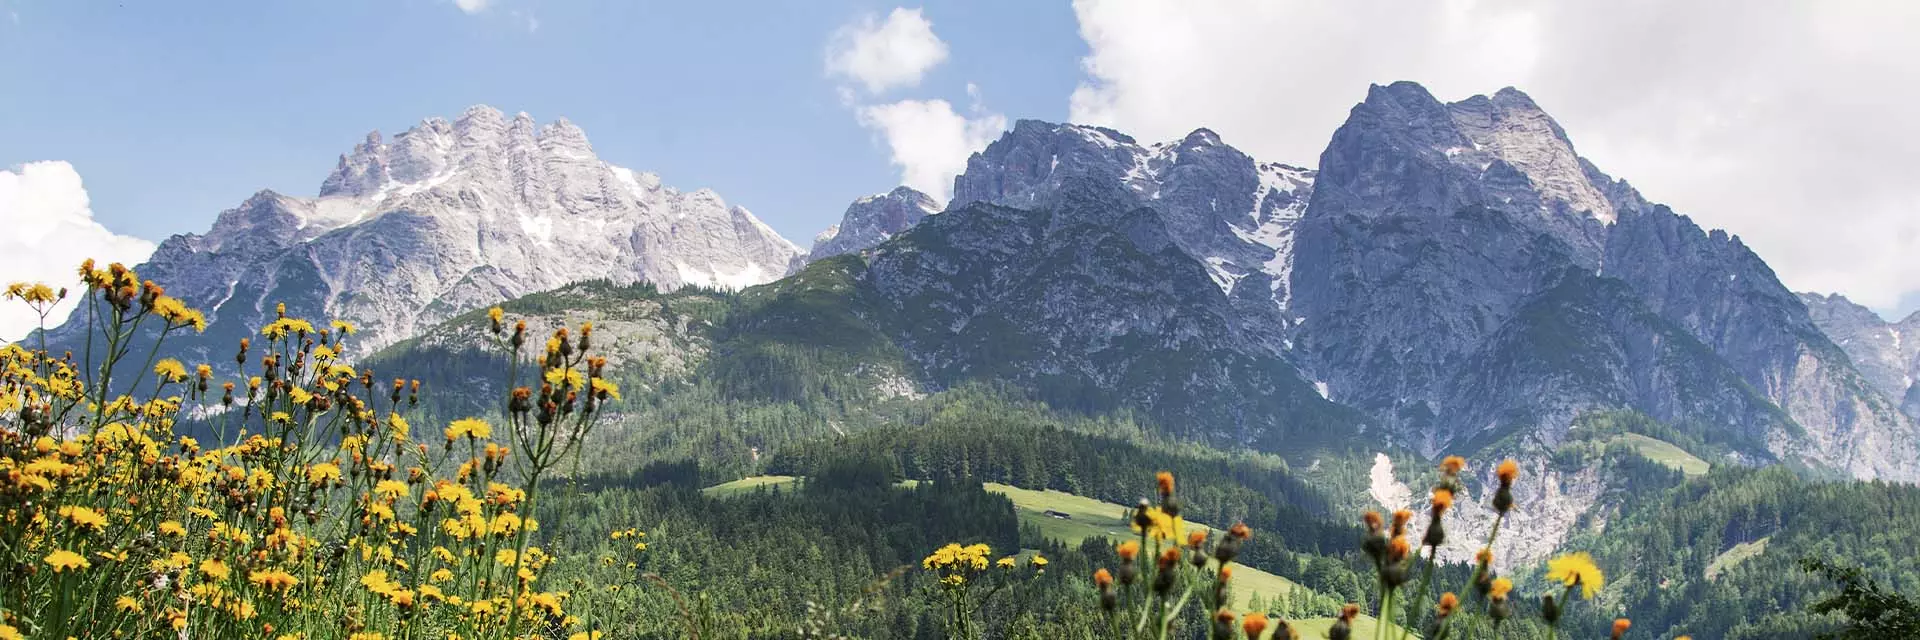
{"x":172,"y":115}
{"x":1756,"y":122}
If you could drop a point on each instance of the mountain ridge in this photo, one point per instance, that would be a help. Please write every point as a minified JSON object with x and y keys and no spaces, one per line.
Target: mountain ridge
{"x":449,"y":216}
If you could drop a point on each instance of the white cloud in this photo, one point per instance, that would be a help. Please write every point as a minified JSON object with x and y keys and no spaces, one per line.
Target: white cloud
{"x":50,"y":229}
{"x":471,"y":6}
{"x":1785,"y":123}
{"x":885,"y":55}
{"x":930,"y":141}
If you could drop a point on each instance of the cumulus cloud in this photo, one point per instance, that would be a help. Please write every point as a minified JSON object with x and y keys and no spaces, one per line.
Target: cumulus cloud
{"x":1785,"y":123}
{"x":930,"y":142}
{"x":471,"y":6}
{"x":50,"y":229}
{"x":881,"y":55}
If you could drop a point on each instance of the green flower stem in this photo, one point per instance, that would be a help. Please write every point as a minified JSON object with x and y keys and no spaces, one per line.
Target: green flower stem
{"x":1426,"y":582}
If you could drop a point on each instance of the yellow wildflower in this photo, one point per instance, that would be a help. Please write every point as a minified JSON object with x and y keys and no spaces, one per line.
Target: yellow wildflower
{"x":323,"y":473}
{"x":469,"y":427}
{"x":564,"y":378}
{"x":390,"y":488}
{"x":170,"y":370}
{"x":215,"y":570}
{"x":273,"y":580}
{"x":506,"y":524}
{"x":62,"y":560}
{"x":1577,"y":569}
{"x":1161,"y":526}
{"x":376,"y":581}
{"x":84,"y":517}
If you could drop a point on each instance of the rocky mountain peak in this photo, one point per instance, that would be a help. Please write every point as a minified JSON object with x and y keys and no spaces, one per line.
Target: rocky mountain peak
{"x":1467,"y":243}
{"x":449,"y":216}
{"x":873,"y":219}
{"x":1886,"y":352}
{"x":1501,"y":152}
{"x":1200,"y":138}
{"x":1220,"y":206}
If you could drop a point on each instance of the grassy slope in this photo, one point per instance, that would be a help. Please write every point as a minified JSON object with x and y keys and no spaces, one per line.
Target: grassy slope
{"x":1093,"y":518}
{"x":745,"y":485}
{"x":1666,"y":453}
{"x":1733,"y":557}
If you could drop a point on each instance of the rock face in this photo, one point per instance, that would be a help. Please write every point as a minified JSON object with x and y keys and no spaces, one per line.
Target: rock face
{"x":1456,"y":272}
{"x":872,"y":220}
{"x":1086,"y":297}
{"x":1887,"y":353}
{"x":1233,"y":214}
{"x":1463,"y":276}
{"x":452,"y":216}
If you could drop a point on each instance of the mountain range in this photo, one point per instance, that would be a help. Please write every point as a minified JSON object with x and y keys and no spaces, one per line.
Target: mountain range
{"x":1452,"y":277}
{"x":449,"y":216}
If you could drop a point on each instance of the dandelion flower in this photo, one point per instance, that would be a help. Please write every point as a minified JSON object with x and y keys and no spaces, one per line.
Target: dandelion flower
{"x":323,"y":473}
{"x":1620,"y":626}
{"x":1164,"y":481}
{"x":63,"y":560}
{"x":273,"y":580}
{"x":84,"y":517}
{"x":170,"y":370}
{"x":126,"y":604}
{"x":215,"y":570}
{"x":1577,"y":569}
{"x":469,"y":427}
{"x":1161,"y":526}
{"x":390,"y":488}
{"x":1501,"y":587}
